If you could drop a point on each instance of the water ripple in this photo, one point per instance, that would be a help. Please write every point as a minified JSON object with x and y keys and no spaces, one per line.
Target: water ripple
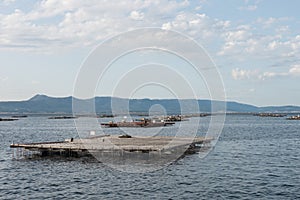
{"x":254,"y":159}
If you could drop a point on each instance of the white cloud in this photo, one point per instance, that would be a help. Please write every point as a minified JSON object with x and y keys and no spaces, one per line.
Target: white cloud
{"x":249,"y":7}
{"x":243,"y":74}
{"x":268,"y":75}
{"x":295,"y":70}
{"x":7,"y":2}
{"x":136,"y":15}
{"x":245,"y":43}
{"x":198,"y":8}
{"x":268,"y":22}
{"x":240,"y":74}
{"x":64,"y":24}
{"x":272,"y":45}
{"x":4,"y":79}
{"x":55,"y":23}
{"x":199,"y":26}
{"x":167,"y":26}
{"x":236,"y":40}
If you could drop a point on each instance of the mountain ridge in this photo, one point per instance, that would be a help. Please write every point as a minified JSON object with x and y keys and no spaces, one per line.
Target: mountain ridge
{"x":41,"y":103}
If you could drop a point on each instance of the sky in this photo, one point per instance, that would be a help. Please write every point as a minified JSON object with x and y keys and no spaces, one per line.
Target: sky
{"x":255,"y":44}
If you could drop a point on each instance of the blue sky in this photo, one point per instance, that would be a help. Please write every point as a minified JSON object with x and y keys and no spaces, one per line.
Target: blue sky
{"x":255,"y":44}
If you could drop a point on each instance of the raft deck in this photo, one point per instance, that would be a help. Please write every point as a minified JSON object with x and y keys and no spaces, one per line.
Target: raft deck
{"x":113,"y":143}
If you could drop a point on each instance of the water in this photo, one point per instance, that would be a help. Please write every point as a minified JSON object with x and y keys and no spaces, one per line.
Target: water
{"x":255,"y":158}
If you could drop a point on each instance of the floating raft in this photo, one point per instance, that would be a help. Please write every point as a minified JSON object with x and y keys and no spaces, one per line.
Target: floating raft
{"x":8,"y":119}
{"x":62,"y":117}
{"x":19,"y":116}
{"x":136,"y":124}
{"x":296,"y":117}
{"x":269,"y":115}
{"x":113,"y":143}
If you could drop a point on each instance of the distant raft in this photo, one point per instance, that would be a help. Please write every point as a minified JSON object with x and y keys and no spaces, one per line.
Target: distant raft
{"x":269,"y":115}
{"x":138,"y":123}
{"x":62,"y":117}
{"x":295,"y":117}
{"x":19,"y":116}
{"x":8,"y":119}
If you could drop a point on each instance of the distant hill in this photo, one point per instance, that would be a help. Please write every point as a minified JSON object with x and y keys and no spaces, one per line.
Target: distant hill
{"x":45,"y":104}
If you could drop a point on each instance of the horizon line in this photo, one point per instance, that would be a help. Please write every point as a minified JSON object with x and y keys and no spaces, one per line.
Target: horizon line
{"x":144,"y":98}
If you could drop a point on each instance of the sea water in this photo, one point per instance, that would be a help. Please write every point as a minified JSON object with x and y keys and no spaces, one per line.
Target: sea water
{"x":254,"y":158}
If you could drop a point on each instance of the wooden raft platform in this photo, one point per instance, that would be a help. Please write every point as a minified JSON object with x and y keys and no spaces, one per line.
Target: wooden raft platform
{"x":109,"y":143}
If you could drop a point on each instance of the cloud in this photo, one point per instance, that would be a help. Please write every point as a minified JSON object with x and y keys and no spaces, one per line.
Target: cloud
{"x":237,"y":40}
{"x":242,"y":74}
{"x":249,"y":7}
{"x":56,"y":24}
{"x":295,"y":70}
{"x":199,"y":26}
{"x":136,"y":15}
{"x":7,"y":2}
{"x":53,"y":24}
{"x":4,"y":79}
{"x":245,"y":43}
{"x":65,"y":24}
{"x":271,"y":22}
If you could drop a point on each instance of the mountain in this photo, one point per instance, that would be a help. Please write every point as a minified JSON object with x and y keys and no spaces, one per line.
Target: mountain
{"x":45,"y":104}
